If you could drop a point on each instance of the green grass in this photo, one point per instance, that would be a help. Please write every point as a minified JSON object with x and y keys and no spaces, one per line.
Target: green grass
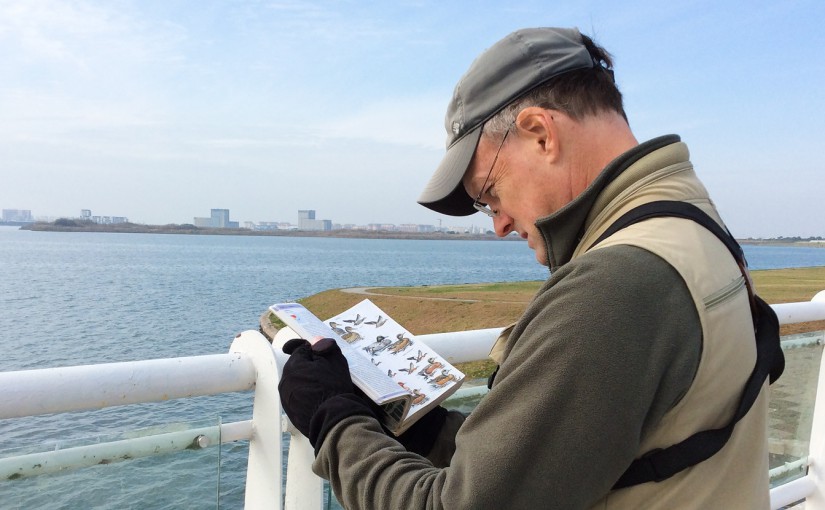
{"x":529,"y":288}
{"x":789,"y":285}
{"x":486,"y":305}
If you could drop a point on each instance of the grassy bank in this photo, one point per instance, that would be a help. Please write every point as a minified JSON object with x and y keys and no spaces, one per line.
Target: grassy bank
{"x":435,"y":309}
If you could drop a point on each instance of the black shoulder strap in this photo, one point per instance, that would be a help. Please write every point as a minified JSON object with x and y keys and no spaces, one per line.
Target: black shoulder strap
{"x":660,"y":464}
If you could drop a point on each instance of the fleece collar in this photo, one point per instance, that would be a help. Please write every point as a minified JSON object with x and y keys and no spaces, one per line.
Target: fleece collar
{"x":563,"y":230}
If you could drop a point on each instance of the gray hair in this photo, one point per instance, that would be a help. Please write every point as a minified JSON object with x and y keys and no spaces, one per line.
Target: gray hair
{"x":576,"y":93}
{"x":503,"y":121}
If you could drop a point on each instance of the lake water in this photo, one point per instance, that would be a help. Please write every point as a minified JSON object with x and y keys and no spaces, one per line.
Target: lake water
{"x":81,"y":298}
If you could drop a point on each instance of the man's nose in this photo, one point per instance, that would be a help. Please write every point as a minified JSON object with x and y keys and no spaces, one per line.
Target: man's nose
{"x":502,"y":224}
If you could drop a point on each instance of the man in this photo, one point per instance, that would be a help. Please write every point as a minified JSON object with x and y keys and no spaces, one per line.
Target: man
{"x":634,"y":343}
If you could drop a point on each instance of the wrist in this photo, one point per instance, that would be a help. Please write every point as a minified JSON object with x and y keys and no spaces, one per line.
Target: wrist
{"x":333,"y":410}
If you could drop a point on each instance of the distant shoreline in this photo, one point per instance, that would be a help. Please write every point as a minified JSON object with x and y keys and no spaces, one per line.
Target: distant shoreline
{"x":186,"y":229}
{"x":782,"y":242}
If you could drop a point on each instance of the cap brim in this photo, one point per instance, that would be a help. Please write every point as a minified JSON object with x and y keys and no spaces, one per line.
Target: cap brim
{"x":445,"y":192}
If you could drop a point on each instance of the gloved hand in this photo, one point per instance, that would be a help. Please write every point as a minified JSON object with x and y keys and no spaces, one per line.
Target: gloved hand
{"x":315,"y":375}
{"x":421,"y":435}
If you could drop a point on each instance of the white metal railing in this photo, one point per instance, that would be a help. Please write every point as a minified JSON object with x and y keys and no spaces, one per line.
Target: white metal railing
{"x":249,"y":364}
{"x":253,"y":363}
{"x":811,"y":487}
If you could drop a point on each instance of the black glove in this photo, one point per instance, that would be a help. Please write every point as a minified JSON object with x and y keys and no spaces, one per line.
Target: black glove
{"x":313,"y":375}
{"x":421,"y":435}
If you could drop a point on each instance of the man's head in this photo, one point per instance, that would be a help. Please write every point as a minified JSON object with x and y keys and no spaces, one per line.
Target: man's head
{"x":549,"y":90}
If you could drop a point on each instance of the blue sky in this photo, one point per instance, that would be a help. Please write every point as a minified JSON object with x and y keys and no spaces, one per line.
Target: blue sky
{"x":159,"y":110}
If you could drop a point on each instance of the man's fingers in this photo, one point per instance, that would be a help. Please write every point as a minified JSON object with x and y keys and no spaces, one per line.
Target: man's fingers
{"x":291,"y":345}
{"x":326,"y":347}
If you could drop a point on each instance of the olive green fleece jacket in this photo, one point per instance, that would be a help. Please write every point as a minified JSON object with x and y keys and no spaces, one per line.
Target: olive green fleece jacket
{"x":609,"y":345}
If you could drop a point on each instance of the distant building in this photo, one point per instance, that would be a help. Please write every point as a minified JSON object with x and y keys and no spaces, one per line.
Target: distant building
{"x":415,"y":228}
{"x":86,"y":215}
{"x":307,"y":221}
{"x":275,"y":225}
{"x":219,"y":218}
{"x":386,"y":227}
{"x":17,"y":215}
{"x":108,"y":220}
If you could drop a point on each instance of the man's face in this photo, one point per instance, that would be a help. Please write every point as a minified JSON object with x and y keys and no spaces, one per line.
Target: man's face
{"x":520,"y":188}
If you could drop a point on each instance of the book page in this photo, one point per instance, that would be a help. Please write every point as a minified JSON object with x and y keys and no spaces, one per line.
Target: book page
{"x":413,"y":366}
{"x":369,"y":378}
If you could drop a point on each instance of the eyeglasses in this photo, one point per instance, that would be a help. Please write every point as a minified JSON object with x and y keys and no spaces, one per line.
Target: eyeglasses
{"x":480,"y":206}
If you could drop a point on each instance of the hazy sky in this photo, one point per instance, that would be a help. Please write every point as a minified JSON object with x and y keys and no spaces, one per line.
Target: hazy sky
{"x":160,"y":110}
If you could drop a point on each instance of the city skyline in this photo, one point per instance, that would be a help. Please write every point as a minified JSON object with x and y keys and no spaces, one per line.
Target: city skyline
{"x":220,"y":218}
{"x":154,"y":110}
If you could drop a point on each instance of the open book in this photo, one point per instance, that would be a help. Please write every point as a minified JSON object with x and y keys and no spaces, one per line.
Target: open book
{"x":392,"y":367}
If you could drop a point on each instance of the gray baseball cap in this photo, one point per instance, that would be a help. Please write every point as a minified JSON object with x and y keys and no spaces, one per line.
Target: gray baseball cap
{"x":513,"y":66}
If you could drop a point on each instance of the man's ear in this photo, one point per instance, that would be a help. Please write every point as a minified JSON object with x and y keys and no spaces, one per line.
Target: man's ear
{"x":537,"y":126}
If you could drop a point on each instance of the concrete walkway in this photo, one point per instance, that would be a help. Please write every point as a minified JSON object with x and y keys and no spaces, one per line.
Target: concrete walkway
{"x":366,"y":292}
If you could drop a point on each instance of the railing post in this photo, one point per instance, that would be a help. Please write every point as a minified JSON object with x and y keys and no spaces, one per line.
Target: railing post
{"x":304,"y":489}
{"x":264,"y":467}
{"x":816,"y":455}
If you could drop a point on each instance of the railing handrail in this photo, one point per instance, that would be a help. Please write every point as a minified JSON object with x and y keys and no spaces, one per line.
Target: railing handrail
{"x":253,"y":363}
{"x":85,"y":387}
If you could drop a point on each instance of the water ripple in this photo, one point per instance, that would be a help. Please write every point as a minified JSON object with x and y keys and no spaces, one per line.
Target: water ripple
{"x":80,"y":298}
